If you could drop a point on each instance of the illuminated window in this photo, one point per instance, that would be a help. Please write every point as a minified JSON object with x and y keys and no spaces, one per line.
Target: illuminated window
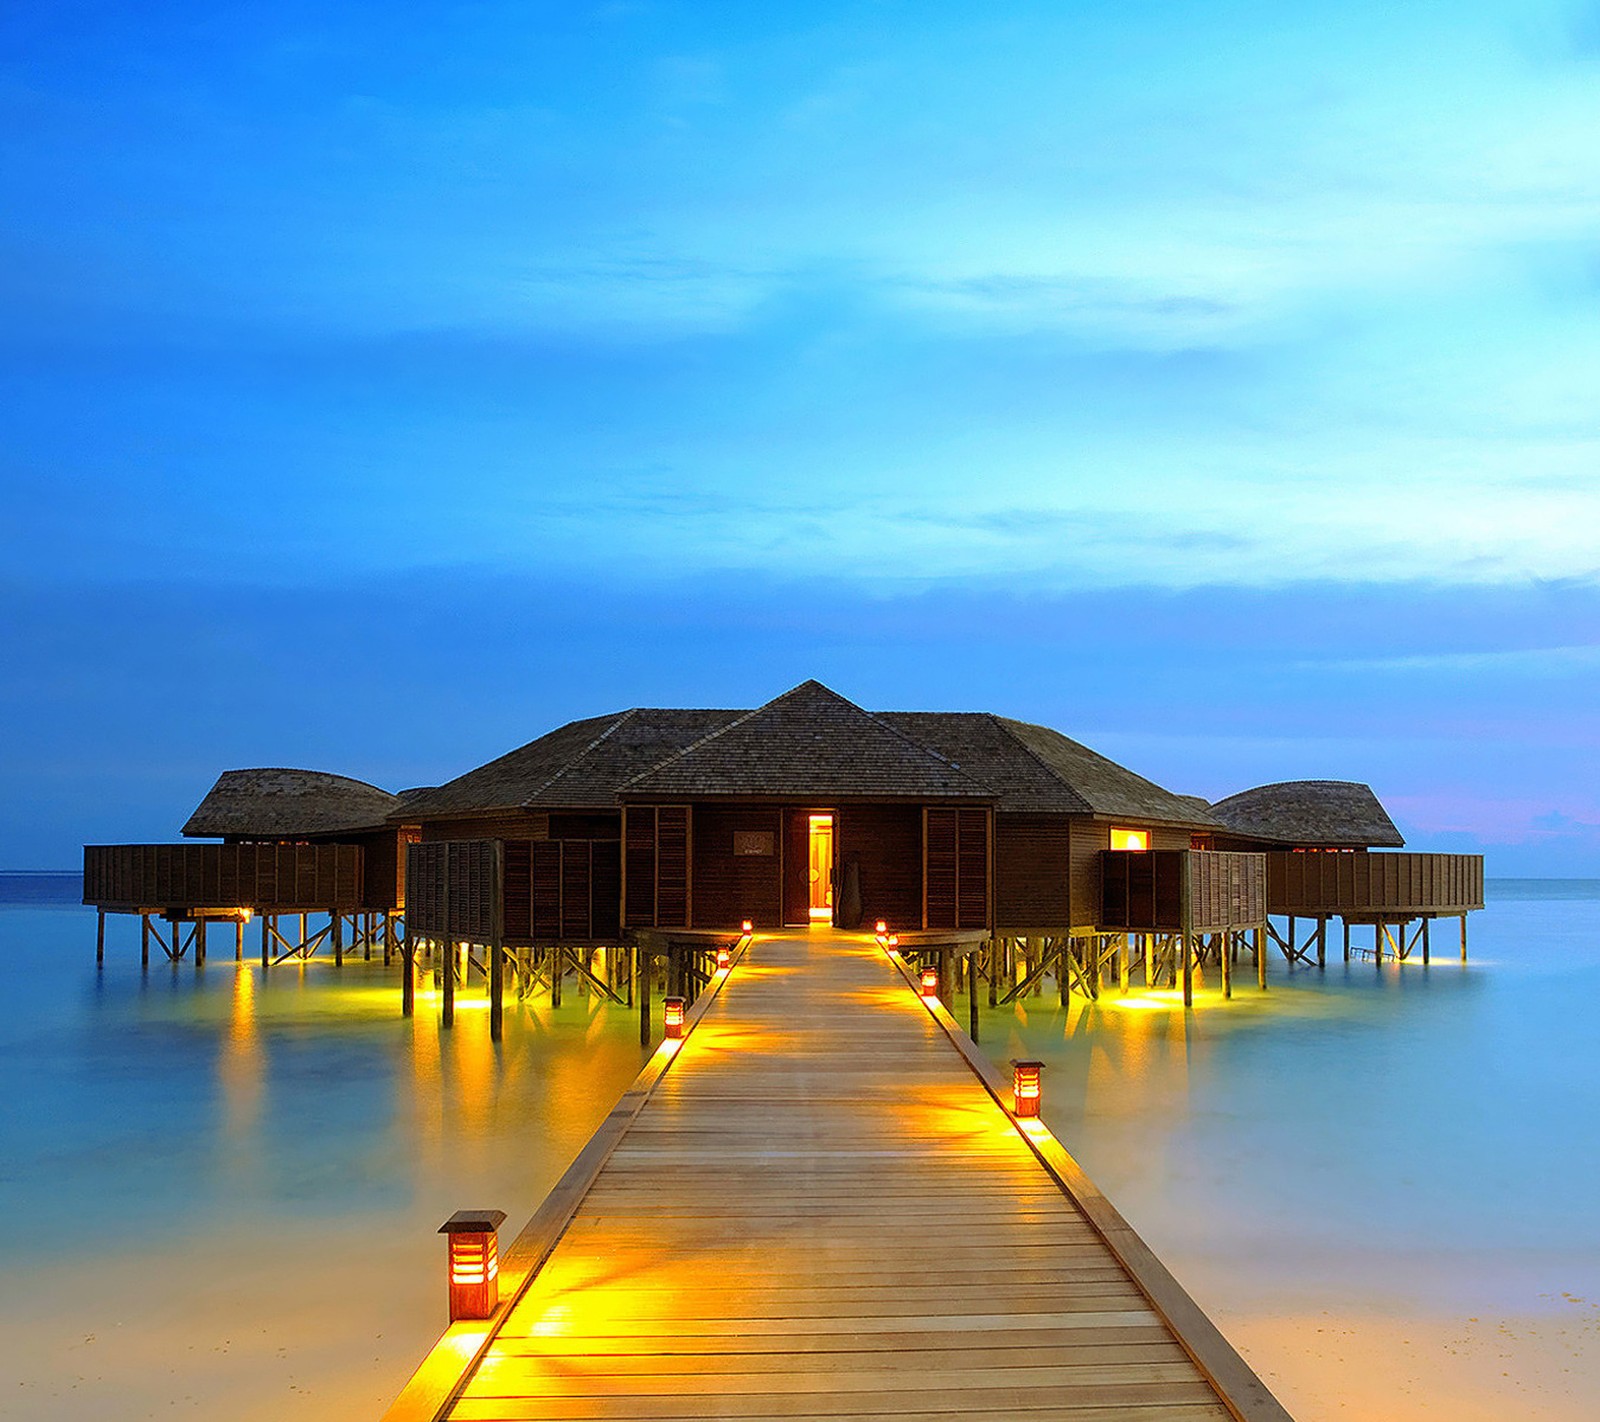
{"x":1130,"y":839}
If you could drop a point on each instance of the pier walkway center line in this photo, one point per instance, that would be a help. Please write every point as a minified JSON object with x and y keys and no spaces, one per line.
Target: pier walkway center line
{"x":821,"y":1211}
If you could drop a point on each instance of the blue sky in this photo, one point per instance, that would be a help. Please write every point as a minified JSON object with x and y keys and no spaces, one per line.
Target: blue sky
{"x":1216,"y":383}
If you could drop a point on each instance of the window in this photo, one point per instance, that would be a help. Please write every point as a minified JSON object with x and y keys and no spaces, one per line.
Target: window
{"x":1130,"y":839}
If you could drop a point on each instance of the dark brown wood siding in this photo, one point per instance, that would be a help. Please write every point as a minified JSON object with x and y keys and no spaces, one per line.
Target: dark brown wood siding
{"x":452,"y":890}
{"x":496,"y":824}
{"x":1370,"y":884}
{"x":1089,"y":839}
{"x":1144,"y":890}
{"x":1032,"y":873}
{"x":730,"y":887}
{"x":956,"y":882}
{"x":270,"y":878}
{"x":660,"y":883}
{"x":886,"y":843}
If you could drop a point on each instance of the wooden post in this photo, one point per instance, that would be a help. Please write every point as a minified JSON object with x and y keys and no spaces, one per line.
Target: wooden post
{"x":946,"y":986}
{"x":1377,"y":942}
{"x":628,"y":969}
{"x":388,"y":936}
{"x":1063,"y":968}
{"x":1346,"y":923}
{"x":238,"y":940}
{"x":199,"y":942}
{"x":100,"y":936}
{"x":303,"y":952}
{"x":1463,"y":938}
{"x":558,"y":963}
{"x":497,"y":952}
{"x":1226,"y":940}
{"x":1425,"y":954}
{"x":1261,"y":957}
{"x":1186,"y":918}
{"x":1289,"y":951}
{"x":447,"y":956}
{"x":338,"y":939}
{"x":641,"y":970}
{"x":1322,"y":942}
{"x":144,"y":940}
{"x":1124,"y":952}
{"x":265,"y":941}
{"x":972,"y":995}
{"x":408,"y":976}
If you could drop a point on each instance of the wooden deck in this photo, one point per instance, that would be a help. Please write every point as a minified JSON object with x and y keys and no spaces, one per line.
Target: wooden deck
{"x":820,"y":1210}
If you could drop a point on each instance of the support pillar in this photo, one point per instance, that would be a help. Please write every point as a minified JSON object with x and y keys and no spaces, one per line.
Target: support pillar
{"x":266,"y":945}
{"x":447,"y":966}
{"x":200,"y":943}
{"x":408,"y":977}
{"x":144,"y":940}
{"x":1261,"y":957}
{"x":1227,"y":940}
{"x":1322,"y":942}
{"x":100,"y":937}
{"x":1463,"y":938}
{"x":338,"y":939}
{"x":642,"y":967}
{"x":558,"y":963}
{"x":1346,"y":923}
{"x":1425,"y":953}
{"x":972,"y":995}
{"x":238,"y":940}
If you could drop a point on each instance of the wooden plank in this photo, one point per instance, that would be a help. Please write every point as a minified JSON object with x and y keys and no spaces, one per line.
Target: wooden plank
{"x":822,"y":1211}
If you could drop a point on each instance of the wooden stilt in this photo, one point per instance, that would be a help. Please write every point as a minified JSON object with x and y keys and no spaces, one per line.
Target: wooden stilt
{"x":200,"y":943}
{"x":1463,"y":938}
{"x":497,"y":952}
{"x":1227,"y":965}
{"x":408,"y":976}
{"x":946,"y":986}
{"x":447,"y":968}
{"x":972,"y":995}
{"x":558,"y":968}
{"x":144,"y":940}
{"x":304,"y":934}
{"x":1322,"y":942}
{"x":338,"y":939}
{"x":1288,"y":952}
{"x":1147,"y":942}
{"x":643,"y":966}
{"x":1064,"y":968}
{"x":1346,"y":923}
{"x":238,"y":940}
{"x":1425,"y":953}
{"x":1261,"y":957}
{"x":629,"y":971}
{"x":100,"y":936}
{"x":992,"y":959}
{"x":1188,"y":970}
{"x":1377,"y":942}
{"x":266,"y":947}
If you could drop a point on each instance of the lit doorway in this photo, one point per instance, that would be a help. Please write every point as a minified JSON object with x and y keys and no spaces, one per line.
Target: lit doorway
{"x":820,"y":868}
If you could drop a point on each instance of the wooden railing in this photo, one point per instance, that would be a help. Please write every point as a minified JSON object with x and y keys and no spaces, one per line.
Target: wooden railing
{"x":1181,"y":890}
{"x":267,"y":878}
{"x":1367,"y":885}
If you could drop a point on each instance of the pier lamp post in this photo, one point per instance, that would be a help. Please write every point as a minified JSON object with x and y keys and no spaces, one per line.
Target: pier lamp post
{"x":930,"y":982}
{"x":724,"y":960}
{"x":881,"y":927}
{"x":672,"y":1009}
{"x":1025,"y":1088}
{"x":748,"y":926}
{"x":474,"y":1262}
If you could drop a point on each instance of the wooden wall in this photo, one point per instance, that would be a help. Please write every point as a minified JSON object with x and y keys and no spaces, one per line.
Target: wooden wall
{"x":1143,"y":890}
{"x":270,"y":878}
{"x":453,"y":892}
{"x":1089,"y":838}
{"x":562,"y":889}
{"x":1369,"y":884}
{"x":1032,"y":873}
{"x":955,"y":867}
{"x":886,"y":843}
{"x":728,"y":886}
{"x":658,"y":866}
{"x":494,"y":824}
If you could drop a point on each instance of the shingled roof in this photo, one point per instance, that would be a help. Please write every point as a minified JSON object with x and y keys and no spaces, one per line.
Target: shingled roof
{"x":1033,"y":769}
{"x":1331,"y":814}
{"x":581,"y":765}
{"x":809,"y":742}
{"x":278,"y":803}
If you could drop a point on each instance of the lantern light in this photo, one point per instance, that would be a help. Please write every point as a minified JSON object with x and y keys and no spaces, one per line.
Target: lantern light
{"x":1025,"y":1087}
{"x":474,"y":1262}
{"x":894,"y":940}
{"x":672,"y":1009}
{"x":747,"y":926}
{"x":930,"y":982}
{"x":881,"y":927}
{"x":724,"y":959}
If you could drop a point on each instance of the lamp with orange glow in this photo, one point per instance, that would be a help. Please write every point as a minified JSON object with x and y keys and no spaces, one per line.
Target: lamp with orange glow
{"x":930,"y":982}
{"x":1025,"y":1088}
{"x":724,"y":960}
{"x":672,"y":1009}
{"x":474,"y":1267}
{"x":894,"y":940}
{"x":747,"y":926}
{"x":881,"y":927}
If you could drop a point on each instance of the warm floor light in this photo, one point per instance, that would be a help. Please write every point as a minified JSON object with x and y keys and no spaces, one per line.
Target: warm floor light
{"x":747,"y":926}
{"x":672,"y":1016}
{"x":1025,"y":1087}
{"x":881,"y":927}
{"x":474,"y":1262}
{"x":930,"y":982}
{"x":724,"y":959}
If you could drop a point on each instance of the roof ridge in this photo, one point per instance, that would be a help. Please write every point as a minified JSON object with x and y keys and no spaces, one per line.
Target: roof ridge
{"x":1005,"y":723}
{"x":618,"y":719}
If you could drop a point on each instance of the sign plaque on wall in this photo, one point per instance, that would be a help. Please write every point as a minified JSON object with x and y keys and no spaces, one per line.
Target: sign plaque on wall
{"x":753,"y":842}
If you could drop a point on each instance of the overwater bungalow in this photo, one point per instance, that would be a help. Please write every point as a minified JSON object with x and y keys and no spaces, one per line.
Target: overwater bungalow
{"x":992,"y":846}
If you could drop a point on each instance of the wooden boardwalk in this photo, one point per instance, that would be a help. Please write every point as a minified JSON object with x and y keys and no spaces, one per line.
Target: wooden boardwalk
{"x":821,"y":1211}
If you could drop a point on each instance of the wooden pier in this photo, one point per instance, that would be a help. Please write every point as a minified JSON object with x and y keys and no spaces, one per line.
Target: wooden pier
{"x":817,"y":1204}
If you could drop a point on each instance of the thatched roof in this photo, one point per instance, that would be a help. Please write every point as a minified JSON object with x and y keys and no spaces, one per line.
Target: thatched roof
{"x":581,"y":765}
{"x":1326,"y":814}
{"x":1033,"y":769}
{"x":809,"y":742}
{"x":289,"y":804}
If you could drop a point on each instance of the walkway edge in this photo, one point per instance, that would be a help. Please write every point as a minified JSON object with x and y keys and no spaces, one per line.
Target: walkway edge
{"x":442,"y":1375}
{"x":1240,"y":1389}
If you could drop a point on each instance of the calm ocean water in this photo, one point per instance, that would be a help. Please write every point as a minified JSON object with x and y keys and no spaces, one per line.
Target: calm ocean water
{"x":1425,"y":1138}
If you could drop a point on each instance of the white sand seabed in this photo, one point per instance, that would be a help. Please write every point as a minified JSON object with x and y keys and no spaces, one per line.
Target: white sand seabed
{"x":321,"y":1325}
